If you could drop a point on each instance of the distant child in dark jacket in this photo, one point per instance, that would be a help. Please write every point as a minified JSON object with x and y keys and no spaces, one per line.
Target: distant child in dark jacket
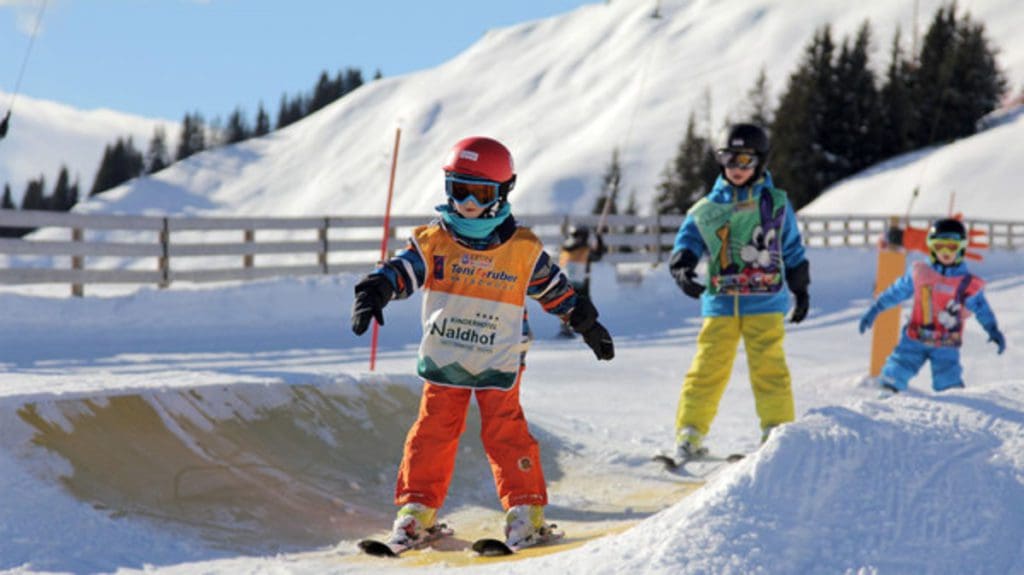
{"x":945,"y":294}
{"x":578,"y":252}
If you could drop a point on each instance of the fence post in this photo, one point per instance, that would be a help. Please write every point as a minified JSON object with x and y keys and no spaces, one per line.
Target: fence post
{"x":657,"y":238}
{"x":164,"y":262}
{"x":77,"y":263}
{"x":322,"y":236}
{"x":248,"y":259}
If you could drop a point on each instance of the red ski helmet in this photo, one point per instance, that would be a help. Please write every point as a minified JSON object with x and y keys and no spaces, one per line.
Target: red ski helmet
{"x":484,"y":158}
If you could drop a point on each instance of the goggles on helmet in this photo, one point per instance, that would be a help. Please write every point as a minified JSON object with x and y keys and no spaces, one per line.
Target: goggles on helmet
{"x":952,"y":245}
{"x":460,"y":189}
{"x":737,"y":159}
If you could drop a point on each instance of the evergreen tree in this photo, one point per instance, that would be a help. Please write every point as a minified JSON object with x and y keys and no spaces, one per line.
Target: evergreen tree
{"x":689,"y":175}
{"x":933,"y":75}
{"x":977,"y":83}
{"x":377,"y":75}
{"x":758,"y":103}
{"x":73,"y":194}
{"x":610,"y":184}
{"x":283,"y":118}
{"x":8,"y":204}
{"x":262,"y":122}
{"x":325,"y":92}
{"x":238,"y":128}
{"x":957,"y":81}
{"x":854,"y":116}
{"x":353,"y":80}
{"x":62,"y":199}
{"x":291,"y":111}
{"x":121,"y":162}
{"x":8,"y":201}
{"x":156,"y":156}
{"x":897,"y":116}
{"x":35,"y":195}
{"x":193,"y":136}
{"x":801,"y":161}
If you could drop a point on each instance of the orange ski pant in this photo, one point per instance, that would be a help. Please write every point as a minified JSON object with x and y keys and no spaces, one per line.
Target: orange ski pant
{"x":432,"y":444}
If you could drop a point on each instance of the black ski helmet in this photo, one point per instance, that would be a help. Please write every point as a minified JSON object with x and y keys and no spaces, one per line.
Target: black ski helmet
{"x":746,"y":138}
{"x":581,"y":233}
{"x":948,"y":229}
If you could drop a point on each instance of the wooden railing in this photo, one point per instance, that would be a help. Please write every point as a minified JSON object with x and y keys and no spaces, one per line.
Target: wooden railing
{"x":79,"y":249}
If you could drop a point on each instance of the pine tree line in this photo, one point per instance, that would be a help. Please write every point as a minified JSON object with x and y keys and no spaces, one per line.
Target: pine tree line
{"x":837,"y":117}
{"x":122,"y":161}
{"x":65,"y":195}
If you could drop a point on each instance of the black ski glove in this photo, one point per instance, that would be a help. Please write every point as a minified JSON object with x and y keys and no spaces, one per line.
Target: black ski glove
{"x":683,"y":266}
{"x":798,"y":278}
{"x":583,"y":320}
{"x":373,"y":292}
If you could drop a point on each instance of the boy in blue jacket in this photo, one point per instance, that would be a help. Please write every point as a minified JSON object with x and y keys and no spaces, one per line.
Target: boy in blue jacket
{"x":748,"y":230}
{"x":945,"y":293}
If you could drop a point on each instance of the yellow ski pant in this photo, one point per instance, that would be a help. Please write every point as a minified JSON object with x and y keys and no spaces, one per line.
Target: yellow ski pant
{"x":712,"y":366}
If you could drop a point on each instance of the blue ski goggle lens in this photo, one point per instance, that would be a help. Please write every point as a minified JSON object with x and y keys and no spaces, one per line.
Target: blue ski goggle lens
{"x":734,"y":159}
{"x":461,"y":189}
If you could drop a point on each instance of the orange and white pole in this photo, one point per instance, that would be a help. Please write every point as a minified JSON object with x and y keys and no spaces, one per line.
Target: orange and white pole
{"x":384,"y":238}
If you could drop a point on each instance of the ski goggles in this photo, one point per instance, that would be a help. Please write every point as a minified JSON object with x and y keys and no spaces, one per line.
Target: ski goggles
{"x":951,"y":245}
{"x":735,"y":159}
{"x":461,"y":189}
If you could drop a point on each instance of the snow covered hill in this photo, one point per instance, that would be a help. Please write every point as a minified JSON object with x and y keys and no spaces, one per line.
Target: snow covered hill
{"x":563,"y":93}
{"x":45,"y":135}
{"x":234,"y":428}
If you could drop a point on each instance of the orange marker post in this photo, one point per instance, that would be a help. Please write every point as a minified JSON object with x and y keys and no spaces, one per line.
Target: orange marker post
{"x":892,"y":262}
{"x":384,"y":239}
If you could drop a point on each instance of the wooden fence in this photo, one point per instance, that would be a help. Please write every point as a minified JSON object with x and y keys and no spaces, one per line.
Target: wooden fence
{"x":80,"y":249}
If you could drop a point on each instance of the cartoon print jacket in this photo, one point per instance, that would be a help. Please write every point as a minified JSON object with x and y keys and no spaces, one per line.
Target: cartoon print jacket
{"x":751,"y":236}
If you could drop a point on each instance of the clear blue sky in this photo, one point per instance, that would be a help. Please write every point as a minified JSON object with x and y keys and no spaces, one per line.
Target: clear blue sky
{"x":162,"y":58}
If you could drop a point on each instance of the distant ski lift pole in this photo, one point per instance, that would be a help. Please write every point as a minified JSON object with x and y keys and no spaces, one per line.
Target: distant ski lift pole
{"x":5,"y":123}
{"x":384,"y":240}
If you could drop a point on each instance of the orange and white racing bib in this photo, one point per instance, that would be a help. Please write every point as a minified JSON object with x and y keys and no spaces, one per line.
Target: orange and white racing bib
{"x":473,"y":309}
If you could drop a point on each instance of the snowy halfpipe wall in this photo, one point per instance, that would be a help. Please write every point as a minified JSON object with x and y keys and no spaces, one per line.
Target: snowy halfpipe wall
{"x":256,"y":468}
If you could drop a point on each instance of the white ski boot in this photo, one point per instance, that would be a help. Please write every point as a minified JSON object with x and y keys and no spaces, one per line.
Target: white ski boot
{"x":412,"y":524}
{"x":689,"y":444}
{"x":525,"y":526}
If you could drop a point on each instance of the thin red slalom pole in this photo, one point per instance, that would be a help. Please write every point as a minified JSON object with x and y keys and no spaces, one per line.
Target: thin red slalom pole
{"x":384,"y":238}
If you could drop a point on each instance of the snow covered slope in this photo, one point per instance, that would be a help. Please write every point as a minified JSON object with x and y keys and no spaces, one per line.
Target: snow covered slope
{"x":45,"y":135}
{"x":971,"y":175}
{"x":563,"y":93}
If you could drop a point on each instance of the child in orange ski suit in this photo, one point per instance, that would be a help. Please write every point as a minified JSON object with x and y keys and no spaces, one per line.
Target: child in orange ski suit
{"x":476,"y":267}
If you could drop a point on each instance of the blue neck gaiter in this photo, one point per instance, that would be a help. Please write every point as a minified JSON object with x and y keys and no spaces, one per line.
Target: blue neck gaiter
{"x":477,"y":228}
